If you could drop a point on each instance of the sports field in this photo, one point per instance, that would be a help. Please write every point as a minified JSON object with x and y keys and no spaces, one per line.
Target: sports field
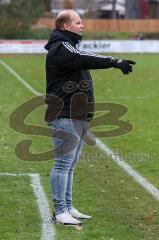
{"x":121,"y":208}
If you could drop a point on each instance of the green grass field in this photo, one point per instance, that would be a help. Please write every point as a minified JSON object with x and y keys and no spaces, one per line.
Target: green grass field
{"x":121,"y":209}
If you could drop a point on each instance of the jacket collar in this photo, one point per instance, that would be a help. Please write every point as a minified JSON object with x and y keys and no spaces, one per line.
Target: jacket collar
{"x":63,"y":35}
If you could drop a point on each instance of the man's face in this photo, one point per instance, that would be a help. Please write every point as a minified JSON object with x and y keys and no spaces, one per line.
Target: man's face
{"x":75,"y":25}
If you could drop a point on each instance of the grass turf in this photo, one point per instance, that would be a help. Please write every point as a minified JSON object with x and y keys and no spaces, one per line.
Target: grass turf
{"x":121,"y":209}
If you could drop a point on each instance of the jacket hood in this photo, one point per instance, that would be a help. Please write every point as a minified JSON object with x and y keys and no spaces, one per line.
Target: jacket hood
{"x":63,"y":35}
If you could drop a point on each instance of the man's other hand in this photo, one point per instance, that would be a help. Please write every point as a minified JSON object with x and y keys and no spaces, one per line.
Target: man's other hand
{"x":124,"y":65}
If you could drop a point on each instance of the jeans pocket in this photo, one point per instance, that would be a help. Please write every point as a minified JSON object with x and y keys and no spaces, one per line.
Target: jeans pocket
{"x":57,"y":127}
{"x":52,"y":124}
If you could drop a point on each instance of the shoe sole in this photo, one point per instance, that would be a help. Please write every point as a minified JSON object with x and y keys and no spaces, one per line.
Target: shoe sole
{"x":83,"y":218}
{"x":66,"y":224}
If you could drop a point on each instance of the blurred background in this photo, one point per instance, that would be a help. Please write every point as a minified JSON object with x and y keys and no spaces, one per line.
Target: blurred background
{"x":103,"y":19}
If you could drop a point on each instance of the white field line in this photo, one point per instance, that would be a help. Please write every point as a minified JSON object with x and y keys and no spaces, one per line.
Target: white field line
{"x":19,"y":78}
{"x":126,"y":167}
{"x":134,"y":174}
{"x":48,"y":232}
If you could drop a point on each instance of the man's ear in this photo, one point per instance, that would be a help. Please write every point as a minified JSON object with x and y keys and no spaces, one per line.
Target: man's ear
{"x":66,"y":26}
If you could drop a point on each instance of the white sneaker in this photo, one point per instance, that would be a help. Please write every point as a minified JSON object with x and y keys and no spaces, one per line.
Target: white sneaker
{"x":65,"y":218}
{"x":76,"y":214}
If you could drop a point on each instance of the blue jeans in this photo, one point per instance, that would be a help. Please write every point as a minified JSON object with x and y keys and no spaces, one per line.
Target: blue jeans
{"x":68,"y":143}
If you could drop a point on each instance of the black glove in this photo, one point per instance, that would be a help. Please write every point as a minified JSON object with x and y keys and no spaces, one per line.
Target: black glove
{"x":124,"y":65}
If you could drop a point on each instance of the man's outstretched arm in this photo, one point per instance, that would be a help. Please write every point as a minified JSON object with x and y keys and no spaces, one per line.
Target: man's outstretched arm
{"x":70,"y":57}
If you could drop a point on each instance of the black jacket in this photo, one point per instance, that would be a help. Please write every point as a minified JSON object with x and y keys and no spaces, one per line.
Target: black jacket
{"x":69,"y":87}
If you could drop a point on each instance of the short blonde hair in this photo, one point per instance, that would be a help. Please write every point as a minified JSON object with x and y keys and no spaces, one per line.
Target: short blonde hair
{"x":62,"y":18}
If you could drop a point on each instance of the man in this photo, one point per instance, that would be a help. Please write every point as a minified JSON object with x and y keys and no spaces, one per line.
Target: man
{"x":69,"y":95}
